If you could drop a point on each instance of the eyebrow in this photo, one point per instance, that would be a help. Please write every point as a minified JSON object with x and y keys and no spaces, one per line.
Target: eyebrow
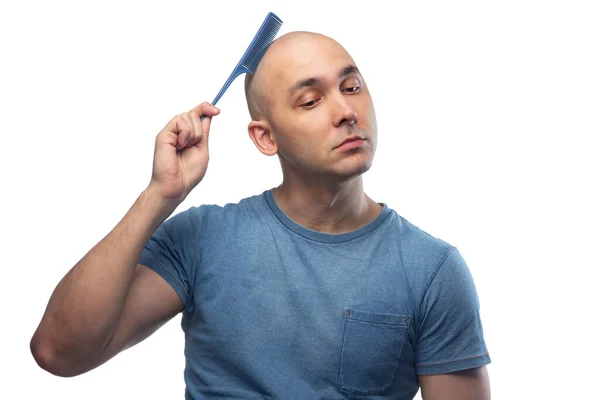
{"x":318,"y":80}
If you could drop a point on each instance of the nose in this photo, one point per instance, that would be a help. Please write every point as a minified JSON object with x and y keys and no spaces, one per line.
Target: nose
{"x":345,"y":113}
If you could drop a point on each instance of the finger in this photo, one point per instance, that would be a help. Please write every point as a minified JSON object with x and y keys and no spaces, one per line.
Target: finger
{"x":198,"y":131}
{"x":186,"y":141}
{"x":171,"y":131}
{"x":206,"y":109}
{"x":209,"y":113}
{"x":184,"y":131}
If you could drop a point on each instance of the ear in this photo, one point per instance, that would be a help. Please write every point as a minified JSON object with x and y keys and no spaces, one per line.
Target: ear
{"x":262,"y":136}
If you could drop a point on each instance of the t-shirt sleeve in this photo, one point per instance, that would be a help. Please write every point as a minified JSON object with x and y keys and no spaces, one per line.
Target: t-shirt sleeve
{"x":450,"y":335}
{"x":171,"y":251}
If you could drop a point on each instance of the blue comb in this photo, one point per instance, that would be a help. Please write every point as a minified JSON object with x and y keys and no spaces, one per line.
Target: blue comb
{"x":254,"y":53}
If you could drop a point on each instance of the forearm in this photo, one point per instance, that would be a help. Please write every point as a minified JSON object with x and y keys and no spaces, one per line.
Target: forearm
{"x":86,"y":305}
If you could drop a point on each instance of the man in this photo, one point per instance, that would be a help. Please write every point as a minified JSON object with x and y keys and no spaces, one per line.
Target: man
{"x":309,"y":290}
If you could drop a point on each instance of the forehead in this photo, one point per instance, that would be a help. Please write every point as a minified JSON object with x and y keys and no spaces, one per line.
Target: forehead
{"x":305,"y":58}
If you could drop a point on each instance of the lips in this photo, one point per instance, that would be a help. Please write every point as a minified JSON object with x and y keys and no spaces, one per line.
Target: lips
{"x":352,"y":139}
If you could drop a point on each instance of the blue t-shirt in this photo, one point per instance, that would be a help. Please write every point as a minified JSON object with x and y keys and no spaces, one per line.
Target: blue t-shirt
{"x":275,"y":310}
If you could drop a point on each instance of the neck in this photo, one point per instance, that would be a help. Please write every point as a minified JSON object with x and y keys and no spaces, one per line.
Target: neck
{"x":326,"y":207}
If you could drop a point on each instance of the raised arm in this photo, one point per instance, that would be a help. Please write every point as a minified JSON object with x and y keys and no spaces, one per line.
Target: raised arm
{"x":107,"y":301}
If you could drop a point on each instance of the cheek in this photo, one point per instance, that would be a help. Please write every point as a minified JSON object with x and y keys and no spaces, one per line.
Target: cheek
{"x":303,"y":147}
{"x":370,"y":119}
{"x":303,"y":135}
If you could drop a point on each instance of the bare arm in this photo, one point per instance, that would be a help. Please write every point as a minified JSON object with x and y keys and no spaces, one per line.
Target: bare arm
{"x":470,"y":384}
{"x":86,"y":306}
{"x":107,"y":302}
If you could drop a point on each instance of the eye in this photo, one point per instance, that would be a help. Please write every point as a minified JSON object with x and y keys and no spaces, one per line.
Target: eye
{"x":352,"y":90}
{"x":309,"y":104}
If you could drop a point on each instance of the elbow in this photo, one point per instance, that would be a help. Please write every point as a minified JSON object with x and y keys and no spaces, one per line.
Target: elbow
{"x":46,"y":357}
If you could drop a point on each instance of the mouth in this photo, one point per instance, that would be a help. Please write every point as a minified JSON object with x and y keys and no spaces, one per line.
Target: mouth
{"x":353,"y":141}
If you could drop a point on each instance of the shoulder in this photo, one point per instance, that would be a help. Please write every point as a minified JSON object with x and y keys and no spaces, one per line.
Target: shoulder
{"x":419,"y":248}
{"x":421,"y":253}
{"x":212,"y":218}
{"x":248,"y":208}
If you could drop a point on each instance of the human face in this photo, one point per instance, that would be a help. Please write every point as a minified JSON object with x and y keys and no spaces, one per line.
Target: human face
{"x":318,"y":101}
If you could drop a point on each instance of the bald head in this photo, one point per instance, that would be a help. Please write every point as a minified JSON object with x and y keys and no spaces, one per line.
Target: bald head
{"x":284,"y":53}
{"x":255,"y":97}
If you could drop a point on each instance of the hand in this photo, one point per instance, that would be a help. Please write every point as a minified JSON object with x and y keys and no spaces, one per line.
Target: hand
{"x":181,"y":153}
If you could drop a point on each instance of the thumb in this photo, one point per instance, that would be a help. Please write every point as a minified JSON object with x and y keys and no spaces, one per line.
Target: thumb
{"x":206,"y":111}
{"x":202,"y":118}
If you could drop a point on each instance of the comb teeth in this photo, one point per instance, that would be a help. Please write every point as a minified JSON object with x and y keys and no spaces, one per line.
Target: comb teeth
{"x":254,"y":53}
{"x":263,"y":39}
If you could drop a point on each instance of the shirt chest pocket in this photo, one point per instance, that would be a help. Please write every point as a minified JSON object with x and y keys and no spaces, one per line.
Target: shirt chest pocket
{"x":370,"y":351}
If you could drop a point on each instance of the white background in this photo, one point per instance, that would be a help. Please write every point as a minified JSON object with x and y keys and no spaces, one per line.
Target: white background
{"x":488,"y":126}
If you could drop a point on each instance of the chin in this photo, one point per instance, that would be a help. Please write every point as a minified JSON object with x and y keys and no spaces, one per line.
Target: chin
{"x":354,"y":171}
